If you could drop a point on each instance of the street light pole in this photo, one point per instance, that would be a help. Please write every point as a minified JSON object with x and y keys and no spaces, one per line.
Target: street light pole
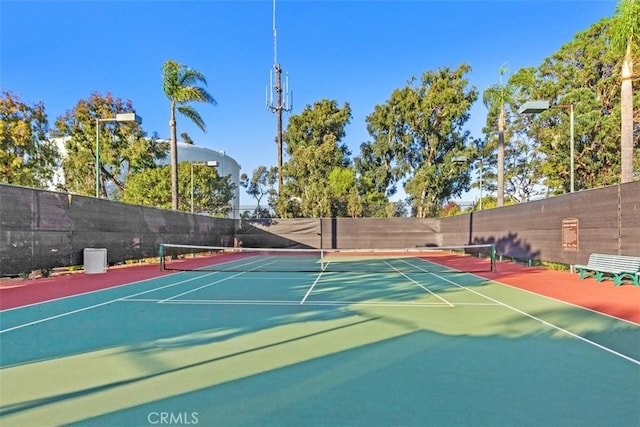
{"x":98,"y":157}
{"x":120,"y":117}
{"x":532,"y":107}
{"x":481,"y":183}
{"x":572,"y":148}
{"x":209,"y":163}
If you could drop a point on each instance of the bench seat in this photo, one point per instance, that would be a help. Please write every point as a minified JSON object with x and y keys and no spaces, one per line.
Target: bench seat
{"x":622,"y":269}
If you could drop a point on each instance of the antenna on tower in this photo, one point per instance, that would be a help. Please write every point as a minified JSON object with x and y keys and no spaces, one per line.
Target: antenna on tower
{"x":282,"y":103}
{"x":275,"y":35}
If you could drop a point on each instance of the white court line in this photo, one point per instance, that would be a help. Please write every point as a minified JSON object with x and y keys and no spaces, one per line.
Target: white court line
{"x":544,"y":322}
{"x":419,"y":284}
{"x":215,"y":301}
{"x":531,"y":316}
{"x":311,"y":303}
{"x":200,"y":287}
{"x":312,"y":286}
{"x":68,"y":313}
{"x":449,"y":304}
{"x":215,"y":282}
{"x":600,"y":313}
{"x":82,"y":294}
{"x":315,"y":302}
{"x":249,"y":261}
{"x":568,"y":303}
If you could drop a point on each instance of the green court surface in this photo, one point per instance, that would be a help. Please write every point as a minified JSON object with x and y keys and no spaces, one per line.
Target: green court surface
{"x":248,"y":348}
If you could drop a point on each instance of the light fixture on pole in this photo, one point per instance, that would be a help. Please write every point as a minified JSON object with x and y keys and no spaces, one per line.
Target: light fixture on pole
{"x":534,"y":107}
{"x":208,"y":163}
{"x":120,"y":117}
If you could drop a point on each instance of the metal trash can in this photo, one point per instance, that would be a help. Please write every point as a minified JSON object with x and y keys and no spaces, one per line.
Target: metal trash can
{"x":95,"y":260}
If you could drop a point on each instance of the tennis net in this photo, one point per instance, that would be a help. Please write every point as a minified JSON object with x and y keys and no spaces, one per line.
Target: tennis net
{"x":468,"y":258}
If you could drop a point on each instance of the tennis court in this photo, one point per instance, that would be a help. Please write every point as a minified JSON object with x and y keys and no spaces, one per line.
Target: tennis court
{"x":273,"y":339}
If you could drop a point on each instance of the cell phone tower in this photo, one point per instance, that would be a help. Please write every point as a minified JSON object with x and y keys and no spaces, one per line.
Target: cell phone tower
{"x":283,"y":98}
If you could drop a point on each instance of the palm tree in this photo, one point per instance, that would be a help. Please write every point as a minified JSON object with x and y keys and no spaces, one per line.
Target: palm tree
{"x":626,"y":31}
{"x":180,"y":86}
{"x":500,"y":95}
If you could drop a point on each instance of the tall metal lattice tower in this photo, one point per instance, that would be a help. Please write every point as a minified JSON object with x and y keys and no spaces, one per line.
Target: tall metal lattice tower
{"x":283,"y":99}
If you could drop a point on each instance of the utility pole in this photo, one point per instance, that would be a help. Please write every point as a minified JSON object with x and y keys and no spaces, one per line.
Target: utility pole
{"x":282,"y":103}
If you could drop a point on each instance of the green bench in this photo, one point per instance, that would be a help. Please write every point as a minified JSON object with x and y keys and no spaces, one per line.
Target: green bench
{"x":620,"y":268}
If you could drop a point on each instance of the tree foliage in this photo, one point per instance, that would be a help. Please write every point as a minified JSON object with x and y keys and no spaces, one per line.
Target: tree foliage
{"x":626,"y":26}
{"x":152,"y":187}
{"x":343,"y":191}
{"x":260,"y":184}
{"x":181,"y":86}
{"x":451,"y":209}
{"x":521,"y":156}
{"x":497,"y":96}
{"x":124,"y":150}
{"x":581,"y":73}
{"x":625,"y":40}
{"x":27,"y":157}
{"x":313,"y":145}
{"x":416,"y":135}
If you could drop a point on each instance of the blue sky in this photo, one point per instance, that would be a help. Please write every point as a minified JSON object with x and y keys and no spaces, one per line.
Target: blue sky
{"x":354,"y":51}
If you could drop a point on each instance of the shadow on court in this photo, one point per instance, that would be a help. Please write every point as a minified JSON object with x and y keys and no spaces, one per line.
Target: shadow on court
{"x":382,"y":351}
{"x":140,"y":351}
{"x":418,"y":378}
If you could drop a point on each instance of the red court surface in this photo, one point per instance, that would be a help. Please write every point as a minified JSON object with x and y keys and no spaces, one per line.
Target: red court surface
{"x":622,"y":302}
{"x":16,"y":293}
{"x":618,"y":301}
